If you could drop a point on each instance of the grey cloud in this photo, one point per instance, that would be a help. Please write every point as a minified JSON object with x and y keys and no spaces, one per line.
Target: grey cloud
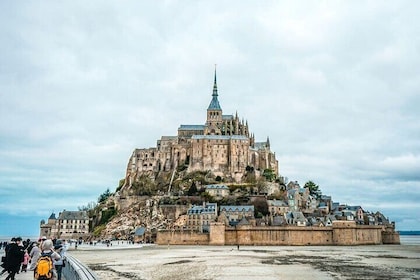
{"x":334,"y":85}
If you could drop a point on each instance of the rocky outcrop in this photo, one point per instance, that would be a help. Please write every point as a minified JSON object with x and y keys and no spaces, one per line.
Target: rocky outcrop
{"x":139,"y":212}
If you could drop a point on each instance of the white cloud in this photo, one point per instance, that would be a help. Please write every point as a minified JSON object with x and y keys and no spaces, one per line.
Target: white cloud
{"x":334,"y":85}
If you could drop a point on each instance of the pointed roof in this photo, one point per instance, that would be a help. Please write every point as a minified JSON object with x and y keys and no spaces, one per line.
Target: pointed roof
{"x":244,"y":222}
{"x":214,"y":104}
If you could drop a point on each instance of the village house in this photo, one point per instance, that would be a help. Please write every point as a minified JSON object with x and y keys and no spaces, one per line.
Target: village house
{"x":296,"y":218}
{"x":326,"y":202}
{"x":200,"y":216}
{"x":217,"y":191}
{"x":235,"y":213}
{"x":277,"y":207}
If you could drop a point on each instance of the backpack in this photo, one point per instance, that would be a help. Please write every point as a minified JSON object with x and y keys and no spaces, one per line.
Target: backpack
{"x":44,"y":267}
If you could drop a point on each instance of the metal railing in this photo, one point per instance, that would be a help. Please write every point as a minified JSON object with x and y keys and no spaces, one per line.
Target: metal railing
{"x":76,"y":270}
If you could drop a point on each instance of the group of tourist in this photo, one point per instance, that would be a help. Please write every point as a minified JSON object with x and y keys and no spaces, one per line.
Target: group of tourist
{"x":19,"y":255}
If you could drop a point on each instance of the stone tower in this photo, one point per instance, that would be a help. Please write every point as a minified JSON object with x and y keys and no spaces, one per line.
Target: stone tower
{"x":214,"y":113}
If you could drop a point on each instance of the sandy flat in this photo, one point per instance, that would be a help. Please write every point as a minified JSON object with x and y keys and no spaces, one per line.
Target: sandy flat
{"x":252,"y":262}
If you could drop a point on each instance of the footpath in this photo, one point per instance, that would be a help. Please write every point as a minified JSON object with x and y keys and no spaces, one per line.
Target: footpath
{"x":113,"y":245}
{"x":29,"y":275}
{"x":21,"y":276}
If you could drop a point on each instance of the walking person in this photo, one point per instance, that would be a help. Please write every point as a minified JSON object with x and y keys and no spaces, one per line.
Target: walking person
{"x":34,"y":255}
{"x":14,"y":258}
{"x":4,"y":258}
{"x":47,"y":250}
{"x":59,"y":264}
{"x":25,"y":262}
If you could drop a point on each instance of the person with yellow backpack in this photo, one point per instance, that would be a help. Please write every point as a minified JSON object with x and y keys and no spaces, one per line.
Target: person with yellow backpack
{"x":45,"y":265}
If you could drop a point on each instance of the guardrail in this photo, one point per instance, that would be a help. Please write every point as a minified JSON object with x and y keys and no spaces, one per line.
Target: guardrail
{"x":76,"y":270}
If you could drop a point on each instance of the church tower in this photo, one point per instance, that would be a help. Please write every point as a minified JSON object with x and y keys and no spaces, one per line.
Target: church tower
{"x":214,"y":113}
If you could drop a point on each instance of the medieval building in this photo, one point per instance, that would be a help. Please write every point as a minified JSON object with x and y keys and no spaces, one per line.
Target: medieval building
{"x":68,"y":225}
{"x":223,"y":145}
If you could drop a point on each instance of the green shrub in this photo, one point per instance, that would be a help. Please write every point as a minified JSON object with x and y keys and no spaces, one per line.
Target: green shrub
{"x":98,"y":230}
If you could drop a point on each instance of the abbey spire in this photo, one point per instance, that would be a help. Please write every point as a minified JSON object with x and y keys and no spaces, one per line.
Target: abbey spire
{"x":214,"y":113}
{"x":214,"y":104}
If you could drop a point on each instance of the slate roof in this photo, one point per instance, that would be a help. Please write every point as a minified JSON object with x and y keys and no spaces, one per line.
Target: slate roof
{"x":277,"y":203}
{"x":191,"y":127}
{"x":243,"y":222}
{"x":227,"y":117}
{"x":210,"y":208}
{"x":239,"y":208}
{"x":298,"y":216}
{"x":260,"y":145}
{"x":73,"y":215}
{"x":140,"y":231}
{"x":215,"y":187}
{"x":347,"y":213}
{"x":352,"y":208}
{"x":214,"y":104}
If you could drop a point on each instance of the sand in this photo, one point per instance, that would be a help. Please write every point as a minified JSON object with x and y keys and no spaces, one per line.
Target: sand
{"x":251,"y":262}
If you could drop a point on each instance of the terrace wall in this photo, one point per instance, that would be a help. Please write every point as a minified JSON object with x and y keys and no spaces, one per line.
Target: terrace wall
{"x":341,"y":233}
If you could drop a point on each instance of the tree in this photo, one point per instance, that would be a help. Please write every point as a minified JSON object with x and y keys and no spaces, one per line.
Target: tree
{"x":249,"y":176}
{"x":207,"y":197}
{"x":269,"y":175}
{"x":89,"y":207}
{"x":192,"y":190}
{"x":107,"y":215}
{"x":261,"y":186}
{"x":313,"y":189}
{"x":104,"y":196}
{"x":143,"y":186}
{"x":260,"y":207}
{"x":249,"y":169}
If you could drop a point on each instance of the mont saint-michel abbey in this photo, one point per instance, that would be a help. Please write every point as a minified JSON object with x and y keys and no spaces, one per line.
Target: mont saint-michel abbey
{"x":223,"y":145}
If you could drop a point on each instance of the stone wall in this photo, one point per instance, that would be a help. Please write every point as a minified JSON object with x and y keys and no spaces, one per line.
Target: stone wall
{"x":217,"y":234}
{"x":341,"y":233}
{"x":172,"y":212}
{"x":348,"y":233}
{"x":166,"y":237}
{"x":390,"y":236}
{"x":274,"y":236}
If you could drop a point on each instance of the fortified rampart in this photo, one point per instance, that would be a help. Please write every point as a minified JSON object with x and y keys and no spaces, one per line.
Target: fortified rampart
{"x":341,"y":233}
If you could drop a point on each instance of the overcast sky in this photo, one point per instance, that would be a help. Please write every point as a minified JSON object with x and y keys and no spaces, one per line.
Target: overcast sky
{"x":334,"y":84}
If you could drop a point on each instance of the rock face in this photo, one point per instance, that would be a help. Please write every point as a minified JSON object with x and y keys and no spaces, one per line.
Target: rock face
{"x":131,"y":210}
{"x":140,"y":211}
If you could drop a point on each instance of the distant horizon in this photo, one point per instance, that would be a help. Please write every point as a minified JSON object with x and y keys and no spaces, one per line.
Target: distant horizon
{"x":17,"y":228}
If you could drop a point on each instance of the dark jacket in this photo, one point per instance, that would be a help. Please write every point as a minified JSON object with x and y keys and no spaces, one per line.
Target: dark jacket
{"x":14,"y":257}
